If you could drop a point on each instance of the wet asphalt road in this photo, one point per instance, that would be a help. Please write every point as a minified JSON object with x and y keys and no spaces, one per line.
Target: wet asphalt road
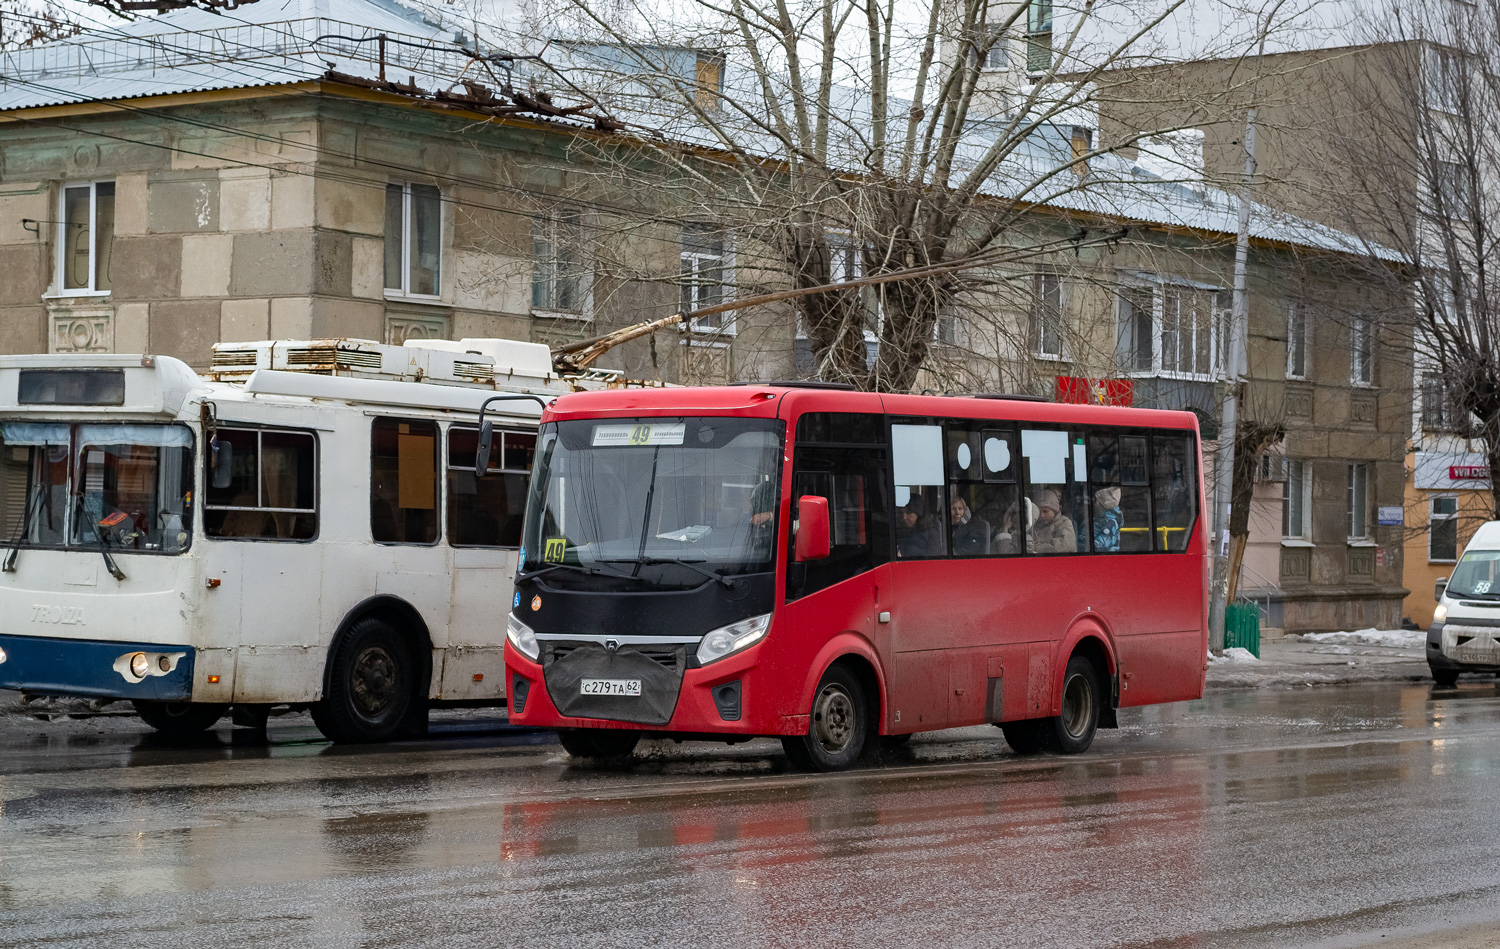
{"x":1331,"y":817}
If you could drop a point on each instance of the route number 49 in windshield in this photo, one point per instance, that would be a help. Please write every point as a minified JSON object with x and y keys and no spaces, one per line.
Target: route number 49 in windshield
{"x":635,"y":436}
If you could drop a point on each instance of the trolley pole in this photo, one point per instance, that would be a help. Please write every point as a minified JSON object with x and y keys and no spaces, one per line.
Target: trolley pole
{"x":1234,"y":374}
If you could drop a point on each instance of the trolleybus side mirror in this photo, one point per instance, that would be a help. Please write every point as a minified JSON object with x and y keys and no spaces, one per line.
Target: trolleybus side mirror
{"x":813,"y":541}
{"x":1439,"y":587}
{"x":482,"y":453}
{"x":223,"y":464}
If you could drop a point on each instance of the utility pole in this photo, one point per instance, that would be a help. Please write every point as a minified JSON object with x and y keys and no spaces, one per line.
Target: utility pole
{"x":1234,"y":375}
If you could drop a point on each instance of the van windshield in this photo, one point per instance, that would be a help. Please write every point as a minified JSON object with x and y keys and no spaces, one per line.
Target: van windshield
{"x":1476,"y":576}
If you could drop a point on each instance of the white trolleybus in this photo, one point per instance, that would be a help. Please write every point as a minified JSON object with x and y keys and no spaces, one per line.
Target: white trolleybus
{"x":301,"y":526}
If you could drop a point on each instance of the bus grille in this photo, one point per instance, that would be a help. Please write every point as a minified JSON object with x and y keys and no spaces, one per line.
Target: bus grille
{"x":663,"y":655}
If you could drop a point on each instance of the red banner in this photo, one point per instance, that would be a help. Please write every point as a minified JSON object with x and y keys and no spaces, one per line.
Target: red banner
{"x":1468,"y":472}
{"x":1076,"y":390}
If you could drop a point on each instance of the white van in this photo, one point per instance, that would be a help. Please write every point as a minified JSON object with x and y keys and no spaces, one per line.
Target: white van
{"x":1465,"y":631}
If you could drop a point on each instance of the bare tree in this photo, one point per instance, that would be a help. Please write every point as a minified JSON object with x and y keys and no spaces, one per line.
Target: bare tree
{"x":1422,"y":140}
{"x":843,"y":139}
{"x":23,"y":24}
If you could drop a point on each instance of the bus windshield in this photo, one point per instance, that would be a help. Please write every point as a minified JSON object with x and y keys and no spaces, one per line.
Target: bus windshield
{"x":666,"y":502}
{"x":1475,"y":576}
{"x":126,"y":486}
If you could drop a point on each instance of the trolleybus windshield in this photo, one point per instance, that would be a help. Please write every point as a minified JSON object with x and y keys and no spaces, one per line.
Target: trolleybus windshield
{"x":667,"y":503}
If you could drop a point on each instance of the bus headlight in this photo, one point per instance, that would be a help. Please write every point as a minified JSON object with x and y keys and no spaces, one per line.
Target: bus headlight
{"x":1441,"y":613}
{"x":521,"y":637}
{"x":139,"y":665}
{"x":730,"y":639}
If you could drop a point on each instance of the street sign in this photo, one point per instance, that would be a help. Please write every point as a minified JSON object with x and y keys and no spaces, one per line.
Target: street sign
{"x":1390,"y":516}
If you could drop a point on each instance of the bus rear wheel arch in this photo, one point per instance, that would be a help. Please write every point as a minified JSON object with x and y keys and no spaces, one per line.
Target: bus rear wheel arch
{"x":180,"y":719}
{"x":1071,"y":731}
{"x":838,"y":727}
{"x":371,"y":683}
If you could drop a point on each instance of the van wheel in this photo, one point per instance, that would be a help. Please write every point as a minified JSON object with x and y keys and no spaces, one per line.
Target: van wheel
{"x":837,"y":728}
{"x":369,"y":685}
{"x":598,"y":742}
{"x":1447,"y":678}
{"x":179,"y":718}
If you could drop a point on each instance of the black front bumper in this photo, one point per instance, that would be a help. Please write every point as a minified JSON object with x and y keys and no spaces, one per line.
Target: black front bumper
{"x":659,"y":668}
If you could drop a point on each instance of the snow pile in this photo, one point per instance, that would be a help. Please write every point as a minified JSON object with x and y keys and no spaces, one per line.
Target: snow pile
{"x":1234,"y":654}
{"x":1400,"y":638}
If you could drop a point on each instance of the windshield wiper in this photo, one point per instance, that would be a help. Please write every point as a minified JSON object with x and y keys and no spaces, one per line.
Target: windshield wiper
{"x":727,"y":583}
{"x":109,"y":562}
{"x":581,"y":568}
{"x":21,"y":530}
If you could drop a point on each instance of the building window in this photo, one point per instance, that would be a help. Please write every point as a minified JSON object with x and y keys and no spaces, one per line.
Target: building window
{"x":557,"y":262}
{"x":1442,"y":530}
{"x":1082,"y":143}
{"x":994,"y":55}
{"x":1445,"y":79}
{"x":1038,"y":36}
{"x":1170,"y":330}
{"x":1296,"y":341}
{"x":1440,"y":411}
{"x":703,"y":276}
{"x":1357,"y":501}
{"x":87,"y":213}
{"x":1362,"y":351}
{"x":945,"y":329}
{"x":1296,"y":501}
{"x":413,"y":239}
{"x":1046,"y":315}
{"x":1451,"y":191}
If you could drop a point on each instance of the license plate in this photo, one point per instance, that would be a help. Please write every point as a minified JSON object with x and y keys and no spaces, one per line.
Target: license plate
{"x":611,"y":687}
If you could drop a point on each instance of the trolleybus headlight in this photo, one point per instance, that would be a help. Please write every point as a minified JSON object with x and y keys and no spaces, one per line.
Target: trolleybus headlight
{"x":3,"y":657}
{"x":732,"y":638}
{"x":139,"y":665}
{"x":521,"y":637}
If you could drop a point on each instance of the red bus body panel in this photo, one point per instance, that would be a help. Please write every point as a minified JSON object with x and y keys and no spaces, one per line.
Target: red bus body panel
{"x":968,"y":641}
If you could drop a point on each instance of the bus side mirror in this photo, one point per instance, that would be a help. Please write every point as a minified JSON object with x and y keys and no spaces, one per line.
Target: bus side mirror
{"x":222,"y":463}
{"x":1439,"y":587}
{"x":482,"y":452}
{"x":813,"y":541}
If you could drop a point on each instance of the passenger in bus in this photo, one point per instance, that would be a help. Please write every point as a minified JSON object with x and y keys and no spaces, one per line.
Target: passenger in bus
{"x":971,"y":534}
{"x":1008,"y":538}
{"x":915,"y":536}
{"x":1053,"y":532}
{"x":1108,"y":519}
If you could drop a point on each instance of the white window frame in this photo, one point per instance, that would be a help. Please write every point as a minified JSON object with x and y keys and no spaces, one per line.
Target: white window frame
{"x":997,"y":57}
{"x":552,"y":223}
{"x":60,"y":258}
{"x":1157,"y":287}
{"x":1444,"y":90}
{"x":1039,"y":282}
{"x":407,"y":223}
{"x":1357,"y":503}
{"x":1433,"y":517}
{"x":1362,"y":352}
{"x":1299,"y":477}
{"x":726,"y":283}
{"x":1035,"y":30}
{"x":1297,"y":339}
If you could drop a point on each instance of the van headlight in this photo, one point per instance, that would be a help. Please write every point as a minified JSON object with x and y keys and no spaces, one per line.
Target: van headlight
{"x":521,"y":637}
{"x":727,"y":640}
{"x":1441,"y":613}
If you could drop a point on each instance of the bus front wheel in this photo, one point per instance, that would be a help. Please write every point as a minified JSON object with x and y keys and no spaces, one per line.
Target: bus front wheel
{"x":598,"y":742}
{"x":180,"y":718}
{"x":369,"y":685}
{"x":837,"y":728}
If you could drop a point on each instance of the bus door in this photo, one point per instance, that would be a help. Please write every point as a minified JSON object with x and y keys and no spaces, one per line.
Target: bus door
{"x":841,"y":457}
{"x":260,"y":514}
{"x":484,"y":528}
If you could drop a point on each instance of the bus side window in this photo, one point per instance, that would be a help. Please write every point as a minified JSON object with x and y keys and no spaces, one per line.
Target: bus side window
{"x":1057,"y":477}
{"x":403,"y":481}
{"x":271,"y":490}
{"x":1135,"y":494}
{"x":1173,"y":486}
{"x":921,"y":508}
{"x":982,"y":508}
{"x":850,"y":473}
{"x":486,"y":512}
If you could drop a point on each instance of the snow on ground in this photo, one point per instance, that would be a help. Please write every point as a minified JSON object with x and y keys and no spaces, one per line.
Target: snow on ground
{"x":1234,"y":654}
{"x":1401,"y":638}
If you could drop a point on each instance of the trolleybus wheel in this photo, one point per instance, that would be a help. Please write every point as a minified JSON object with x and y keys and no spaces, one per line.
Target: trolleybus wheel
{"x":837,"y":728}
{"x":1447,"y":678}
{"x":598,"y":742}
{"x":369,"y":685}
{"x":179,"y":718}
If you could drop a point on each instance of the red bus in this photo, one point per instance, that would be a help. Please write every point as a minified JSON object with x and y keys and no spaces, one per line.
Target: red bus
{"x":840,"y":568}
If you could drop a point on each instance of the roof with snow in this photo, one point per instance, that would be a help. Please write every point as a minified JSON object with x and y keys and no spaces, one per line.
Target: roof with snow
{"x":386,"y":44}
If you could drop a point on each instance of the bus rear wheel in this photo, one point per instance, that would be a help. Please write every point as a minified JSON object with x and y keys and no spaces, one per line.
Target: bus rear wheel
{"x":179,"y":718}
{"x":836,"y":730}
{"x":598,"y":742}
{"x":1072,"y":732}
{"x":369,"y":685}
